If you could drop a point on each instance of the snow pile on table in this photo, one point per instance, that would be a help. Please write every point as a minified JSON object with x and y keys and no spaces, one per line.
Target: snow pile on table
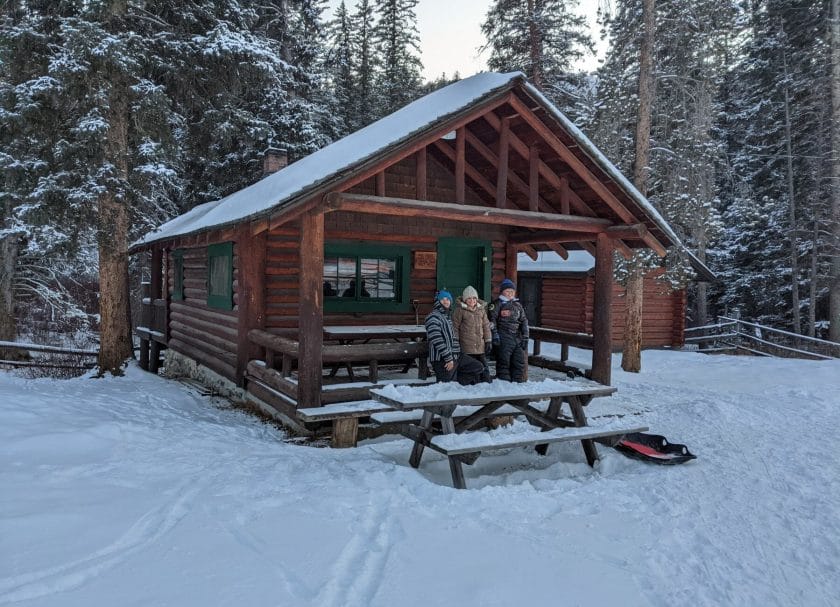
{"x":136,"y":491}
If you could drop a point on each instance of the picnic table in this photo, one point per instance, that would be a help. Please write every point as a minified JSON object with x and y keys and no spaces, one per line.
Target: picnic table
{"x":461,"y":442}
{"x":348,"y":334}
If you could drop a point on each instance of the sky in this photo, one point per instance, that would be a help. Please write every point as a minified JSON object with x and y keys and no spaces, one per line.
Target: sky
{"x":450,"y":34}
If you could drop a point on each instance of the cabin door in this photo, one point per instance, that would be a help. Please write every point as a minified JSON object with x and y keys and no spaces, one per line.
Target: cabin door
{"x":529,"y":291}
{"x":462,"y":262}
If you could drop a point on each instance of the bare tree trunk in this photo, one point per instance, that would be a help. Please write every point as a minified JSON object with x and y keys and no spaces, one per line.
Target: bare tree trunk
{"x":631,"y":356}
{"x":794,"y":253}
{"x":8,"y":324}
{"x":535,"y":47}
{"x":701,"y":299}
{"x":834,"y":220}
{"x":112,"y":240}
{"x":814,"y":278}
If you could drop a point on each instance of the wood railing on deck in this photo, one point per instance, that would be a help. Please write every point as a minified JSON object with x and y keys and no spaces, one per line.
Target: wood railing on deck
{"x":280,"y":354}
{"x":565,"y":339}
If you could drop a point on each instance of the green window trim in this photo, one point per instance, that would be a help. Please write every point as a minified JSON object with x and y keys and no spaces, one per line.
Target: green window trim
{"x":359,"y":250}
{"x":178,"y":275}
{"x":220,"y":284}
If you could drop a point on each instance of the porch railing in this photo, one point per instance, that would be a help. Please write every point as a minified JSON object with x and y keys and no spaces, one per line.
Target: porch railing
{"x":566,"y":339}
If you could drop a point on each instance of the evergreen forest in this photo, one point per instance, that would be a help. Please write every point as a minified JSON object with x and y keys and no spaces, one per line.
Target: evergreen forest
{"x":117,"y":115}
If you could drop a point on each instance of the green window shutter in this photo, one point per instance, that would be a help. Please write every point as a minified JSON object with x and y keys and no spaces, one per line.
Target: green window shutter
{"x":366,"y":277}
{"x":178,"y":274}
{"x":220,"y":276}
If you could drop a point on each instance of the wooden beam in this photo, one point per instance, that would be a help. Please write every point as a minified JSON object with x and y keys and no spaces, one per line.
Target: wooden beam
{"x":602,"y":310}
{"x":529,"y":251}
{"x":490,"y":155}
{"x":251,"y":295}
{"x":511,"y":262}
{"x":460,"y":164}
{"x":311,"y":313}
{"x":545,"y":171}
{"x":380,"y":183}
{"x":421,"y":177}
{"x":544,"y":237}
{"x":565,"y":195}
{"x":504,"y":151}
{"x":581,"y":170}
{"x":634,"y":231}
{"x":360,"y":203}
{"x":534,"y":180}
{"x":559,"y":249}
{"x":369,"y":169}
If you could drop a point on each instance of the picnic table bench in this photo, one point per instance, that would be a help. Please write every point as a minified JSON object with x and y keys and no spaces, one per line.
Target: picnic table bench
{"x":460,"y":445}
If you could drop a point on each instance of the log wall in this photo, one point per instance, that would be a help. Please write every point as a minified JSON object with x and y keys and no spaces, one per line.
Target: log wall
{"x":205,"y":334}
{"x":567,"y":304}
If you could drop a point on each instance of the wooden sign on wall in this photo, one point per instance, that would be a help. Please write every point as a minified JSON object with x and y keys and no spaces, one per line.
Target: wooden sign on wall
{"x":425,"y":260}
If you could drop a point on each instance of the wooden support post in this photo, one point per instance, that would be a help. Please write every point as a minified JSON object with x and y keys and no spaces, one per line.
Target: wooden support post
{"x":421,"y":175}
{"x":510,"y":261}
{"x":144,"y":354}
{"x":311,"y":326}
{"x":534,"y":179}
{"x":345,"y":431}
{"x":460,"y":164}
{"x":565,"y":195}
{"x":380,"y":183}
{"x":602,"y":313}
{"x":251,"y":295}
{"x":154,"y":356}
{"x":504,"y":152}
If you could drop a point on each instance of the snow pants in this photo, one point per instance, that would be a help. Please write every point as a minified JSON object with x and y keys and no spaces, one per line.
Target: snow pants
{"x":467,"y":371}
{"x":510,"y":358}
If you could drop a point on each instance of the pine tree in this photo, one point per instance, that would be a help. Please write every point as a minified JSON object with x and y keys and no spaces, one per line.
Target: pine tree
{"x":543,"y":38}
{"x":398,"y":45}
{"x":342,"y":69}
{"x":367,"y":65}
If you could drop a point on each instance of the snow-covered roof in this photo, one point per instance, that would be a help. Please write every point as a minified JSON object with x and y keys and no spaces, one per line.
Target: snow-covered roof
{"x":549,"y":261}
{"x":335,"y":158}
{"x":330,"y":162}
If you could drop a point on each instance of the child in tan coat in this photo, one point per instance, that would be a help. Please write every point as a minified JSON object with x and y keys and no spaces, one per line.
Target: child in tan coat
{"x":472,"y":327}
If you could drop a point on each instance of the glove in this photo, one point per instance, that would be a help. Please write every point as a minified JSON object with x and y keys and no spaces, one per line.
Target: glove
{"x":523,"y":343}
{"x":497,"y":341}
{"x":488,"y":348}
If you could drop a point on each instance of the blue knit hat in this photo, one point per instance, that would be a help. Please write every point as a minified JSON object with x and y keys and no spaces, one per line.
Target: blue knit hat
{"x":507,"y":283}
{"x":443,"y":293}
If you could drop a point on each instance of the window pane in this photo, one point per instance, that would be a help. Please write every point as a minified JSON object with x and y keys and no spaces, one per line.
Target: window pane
{"x":219,"y":276}
{"x":330,"y":276}
{"x":378,"y":276}
{"x":347,"y":276}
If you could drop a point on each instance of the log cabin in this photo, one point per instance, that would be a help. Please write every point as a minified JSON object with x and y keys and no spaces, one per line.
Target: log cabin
{"x":559,"y":294}
{"x":440,"y":194}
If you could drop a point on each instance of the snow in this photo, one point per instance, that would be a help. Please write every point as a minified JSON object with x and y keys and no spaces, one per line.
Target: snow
{"x":549,"y":261}
{"x":137,"y":491}
{"x":335,"y":158}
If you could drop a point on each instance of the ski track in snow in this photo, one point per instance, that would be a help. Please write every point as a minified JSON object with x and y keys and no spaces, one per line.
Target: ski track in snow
{"x":750,"y":522}
{"x":150,"y":528}
{"x":356,"y":574}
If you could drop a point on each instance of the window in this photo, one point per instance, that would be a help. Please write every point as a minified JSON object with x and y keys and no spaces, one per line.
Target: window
{"x":365,"y":277}
{"x":220,"y":276}
{"x":178,"y":274}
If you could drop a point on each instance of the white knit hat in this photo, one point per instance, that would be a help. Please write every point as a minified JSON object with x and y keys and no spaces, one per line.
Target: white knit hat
{"x":469,"y":292}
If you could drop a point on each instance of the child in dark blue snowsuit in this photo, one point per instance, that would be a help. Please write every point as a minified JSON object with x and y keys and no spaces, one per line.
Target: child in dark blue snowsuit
{"x":510,"y":333}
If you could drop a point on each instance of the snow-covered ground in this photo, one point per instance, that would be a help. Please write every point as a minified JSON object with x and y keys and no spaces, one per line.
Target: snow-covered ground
{"x":135,"y":491}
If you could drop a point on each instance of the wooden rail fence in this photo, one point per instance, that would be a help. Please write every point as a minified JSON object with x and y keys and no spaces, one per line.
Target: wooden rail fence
{"x":736,"y":335}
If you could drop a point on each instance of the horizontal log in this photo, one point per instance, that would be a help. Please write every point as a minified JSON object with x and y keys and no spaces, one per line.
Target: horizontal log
{"x":555,"y":336}
{"x":189,"y":334}
{"x":13,"y":345}
{"x":459,"y":212}
{"x":214,"y":364}
{"x":203,"y":311}
{"x":272,"y":378}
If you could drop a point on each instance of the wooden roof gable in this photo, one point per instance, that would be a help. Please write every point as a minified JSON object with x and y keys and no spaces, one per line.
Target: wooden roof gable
{"x":524,"y":163}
